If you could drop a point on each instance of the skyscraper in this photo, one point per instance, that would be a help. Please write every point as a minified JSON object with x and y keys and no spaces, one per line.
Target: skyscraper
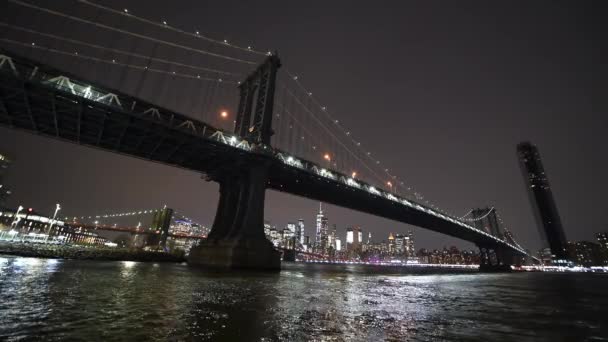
{"x":300,"y":232}
{"x":4,"y":191}
{"x":543,"y":205}
{"x":321,"y":237}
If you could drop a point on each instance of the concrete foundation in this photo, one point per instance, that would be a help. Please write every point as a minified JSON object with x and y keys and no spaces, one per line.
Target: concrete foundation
{"x":257,"y":254}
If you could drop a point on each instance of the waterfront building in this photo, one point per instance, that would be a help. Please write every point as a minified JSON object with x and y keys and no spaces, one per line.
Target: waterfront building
{"x":338,"y":244}
{"x":543,"y":205}
{"x":602,"y":239}
{"x":585,"y":253}
{"x":4,"y":190}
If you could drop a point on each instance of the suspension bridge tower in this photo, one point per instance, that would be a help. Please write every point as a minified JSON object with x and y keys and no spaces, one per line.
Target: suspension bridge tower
{"x":237,"y":237}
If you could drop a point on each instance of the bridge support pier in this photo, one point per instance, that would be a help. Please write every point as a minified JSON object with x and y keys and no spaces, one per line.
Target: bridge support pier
{"x":494,"y":259}
{"x":289,"y":255}
{"x":237,"y":237}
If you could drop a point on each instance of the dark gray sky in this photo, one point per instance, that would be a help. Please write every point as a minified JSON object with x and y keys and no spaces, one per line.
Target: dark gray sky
{"x":441,"y":91}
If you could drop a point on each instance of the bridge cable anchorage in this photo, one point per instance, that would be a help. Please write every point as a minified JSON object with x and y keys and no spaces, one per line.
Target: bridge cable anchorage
{"x":346,"y":132}
{"x":129,"y":33}
{"x":122,"y":52}
{"x":114,"y":62}
{"x":196,"y":34}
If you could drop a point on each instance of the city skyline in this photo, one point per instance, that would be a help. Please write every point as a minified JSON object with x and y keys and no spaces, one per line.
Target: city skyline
{"x":438,"y":165}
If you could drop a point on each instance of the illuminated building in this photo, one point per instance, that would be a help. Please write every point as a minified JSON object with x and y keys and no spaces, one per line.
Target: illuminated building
{"x":300,"y":232}
{"x":391,"y":243}
{"x":585,"y":253}
{"x":349,"y":236}
{"x":4,"y":191}
{"x":409,"y":244}
{"x":338,"y":244}
{"x":543,"y":205}
{"x":399,"y":243}
{"x":602,"y":239}
{"x":33,"y":227}
{"x":321,"y":237}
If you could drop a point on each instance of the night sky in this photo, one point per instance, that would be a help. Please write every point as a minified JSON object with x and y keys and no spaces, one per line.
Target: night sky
{"x":441,"y":91}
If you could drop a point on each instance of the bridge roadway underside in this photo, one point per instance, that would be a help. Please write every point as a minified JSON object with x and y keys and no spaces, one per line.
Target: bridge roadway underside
{"x":44,"y":110}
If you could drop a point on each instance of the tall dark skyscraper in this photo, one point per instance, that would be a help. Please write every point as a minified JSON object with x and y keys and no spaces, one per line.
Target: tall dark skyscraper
{"x":543,"y":205}
{"x":4,"y":191}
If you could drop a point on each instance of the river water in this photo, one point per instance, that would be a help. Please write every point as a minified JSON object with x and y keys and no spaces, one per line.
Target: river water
{"x":46,"y":299}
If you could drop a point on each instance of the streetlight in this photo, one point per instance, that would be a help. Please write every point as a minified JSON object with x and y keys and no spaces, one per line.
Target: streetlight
{"x":354,"y":174}
{"x":224,"y":114}
{"x":16,"y":219}
{"x":390,"y":185}
{"x":57,"y":208}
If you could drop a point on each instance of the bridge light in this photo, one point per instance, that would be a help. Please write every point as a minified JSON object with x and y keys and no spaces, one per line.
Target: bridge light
{"x":224,"y":114}
{"x":126,"y":10}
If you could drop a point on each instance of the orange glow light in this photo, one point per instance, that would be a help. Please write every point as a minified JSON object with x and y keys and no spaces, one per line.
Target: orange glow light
{"x":224,"y":114}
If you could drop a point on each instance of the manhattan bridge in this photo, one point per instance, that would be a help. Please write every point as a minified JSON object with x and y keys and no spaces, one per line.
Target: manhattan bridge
{"x":107,"y":78}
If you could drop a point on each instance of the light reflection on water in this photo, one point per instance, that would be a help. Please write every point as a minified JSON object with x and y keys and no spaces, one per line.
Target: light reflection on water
{"x":87,"y":300}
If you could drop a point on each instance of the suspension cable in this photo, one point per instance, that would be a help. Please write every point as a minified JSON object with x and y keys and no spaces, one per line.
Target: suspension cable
{"x":133,"y":34}
{"x":347,"y":133}
{"x":168,"y":27}
{"x":122,"y":52}
{"x":114,"y":62}
{"x":331,"y":133}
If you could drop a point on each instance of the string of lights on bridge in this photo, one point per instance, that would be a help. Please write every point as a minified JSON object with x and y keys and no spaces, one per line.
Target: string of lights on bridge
{"x":123,"y":214}
{"x":130,"y":214}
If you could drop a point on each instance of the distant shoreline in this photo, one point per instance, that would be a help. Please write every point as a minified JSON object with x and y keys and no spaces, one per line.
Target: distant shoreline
{"x":86,"y":253}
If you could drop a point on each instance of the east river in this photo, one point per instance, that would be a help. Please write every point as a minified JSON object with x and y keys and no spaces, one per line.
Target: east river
{"x":46,"y":299}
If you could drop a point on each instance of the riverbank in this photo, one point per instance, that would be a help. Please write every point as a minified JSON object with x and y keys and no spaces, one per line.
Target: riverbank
{"x":86,"y":253}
